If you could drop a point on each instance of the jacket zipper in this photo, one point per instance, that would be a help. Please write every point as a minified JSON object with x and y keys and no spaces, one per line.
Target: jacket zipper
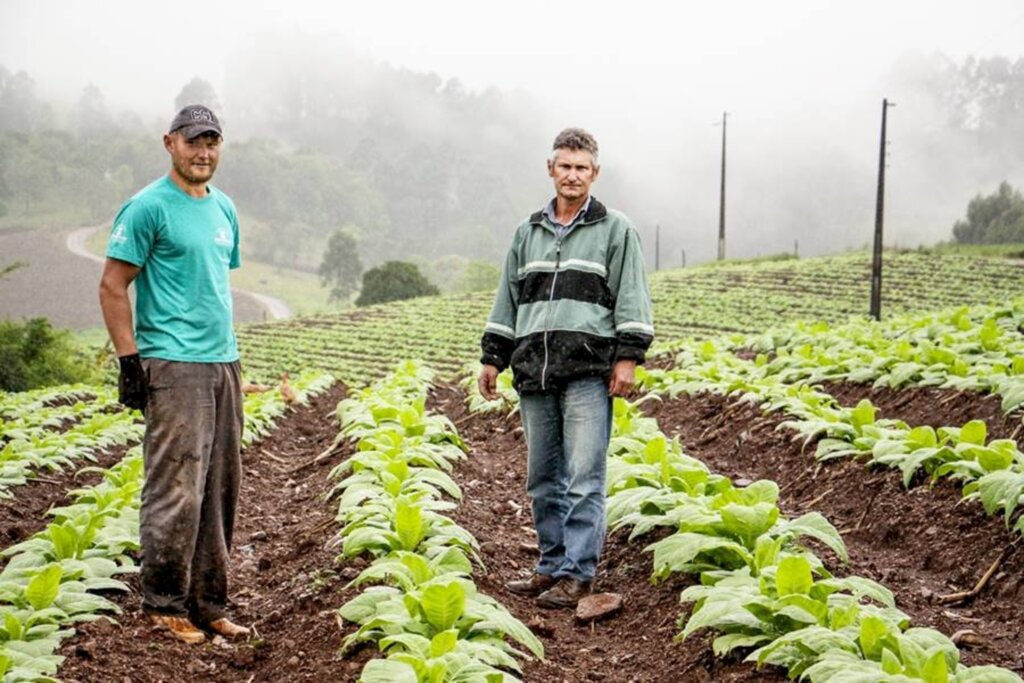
{"x":547,"y":324}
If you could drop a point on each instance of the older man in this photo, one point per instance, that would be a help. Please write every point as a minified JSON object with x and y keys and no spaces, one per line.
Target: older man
{"x":176,"y":239}
{"x":573,"y":318}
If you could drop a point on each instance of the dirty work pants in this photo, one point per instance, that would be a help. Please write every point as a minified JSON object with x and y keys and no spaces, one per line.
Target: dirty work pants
{"x":192,"y":460}
{"x":567,"y":432}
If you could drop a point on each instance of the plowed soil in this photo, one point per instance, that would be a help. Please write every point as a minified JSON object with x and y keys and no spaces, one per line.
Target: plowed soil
{"x":24,"y":513}
{"x":287,"y":582}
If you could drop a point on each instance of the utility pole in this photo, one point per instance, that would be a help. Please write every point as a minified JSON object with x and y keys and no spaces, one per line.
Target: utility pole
{"x":683,"y":253}
{"x":876,"y":260}
{"x":721,"y":202}
{"x":657,"y":247}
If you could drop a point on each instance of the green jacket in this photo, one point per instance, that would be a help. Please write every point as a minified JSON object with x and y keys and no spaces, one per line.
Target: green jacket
{"x":570,"y":307}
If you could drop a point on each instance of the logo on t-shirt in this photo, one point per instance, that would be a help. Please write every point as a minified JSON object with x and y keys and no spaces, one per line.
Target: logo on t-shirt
{"x":223,"y":238}
{"x":119,"y":235}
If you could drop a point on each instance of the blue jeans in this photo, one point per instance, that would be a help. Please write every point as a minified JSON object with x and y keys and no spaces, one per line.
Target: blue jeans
{"x":567,"y":432}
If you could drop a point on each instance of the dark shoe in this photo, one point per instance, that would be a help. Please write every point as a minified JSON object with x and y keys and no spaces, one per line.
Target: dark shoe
{"x":565,"y":593}
{"x":535,"y":585}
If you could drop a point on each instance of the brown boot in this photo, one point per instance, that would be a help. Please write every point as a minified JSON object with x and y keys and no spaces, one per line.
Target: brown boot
{"x":565,"y":593}
{"x":179,"y":627}
{"x":225,"y":627}
{"x":535,"y":585}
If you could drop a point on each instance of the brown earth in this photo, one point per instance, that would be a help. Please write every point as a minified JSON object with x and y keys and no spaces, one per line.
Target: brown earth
{"x":286,"y":580}
{"x":921,"y":542}
{"x":934,"y":407}
{"x":24,"y":513}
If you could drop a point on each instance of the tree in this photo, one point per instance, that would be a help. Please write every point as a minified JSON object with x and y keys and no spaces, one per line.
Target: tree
{"x":20,"y":111}
{"x":92,"y":118}
{"x":995,"y":219}
{"x":197,"y":91}
{"x":478,"y":276}
{"x":34,"y":355}
{"x":340,"y":267}
{"x":394,"y":281}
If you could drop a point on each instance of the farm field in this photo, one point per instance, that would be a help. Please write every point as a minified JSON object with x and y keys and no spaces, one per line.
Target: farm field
{"x":828,"y":498}
{"x":698,"y":302}
{"x":289,"y":579}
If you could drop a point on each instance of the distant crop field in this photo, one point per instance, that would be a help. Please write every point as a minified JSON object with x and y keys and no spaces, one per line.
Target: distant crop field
{"x":700,"y":302}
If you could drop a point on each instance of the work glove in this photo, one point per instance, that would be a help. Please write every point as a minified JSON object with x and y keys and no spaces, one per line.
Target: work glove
{"x":132,"y":387}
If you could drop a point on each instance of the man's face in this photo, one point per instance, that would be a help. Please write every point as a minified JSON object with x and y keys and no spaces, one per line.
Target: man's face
{"x":194,"y":160}
{"x":573,"y":171}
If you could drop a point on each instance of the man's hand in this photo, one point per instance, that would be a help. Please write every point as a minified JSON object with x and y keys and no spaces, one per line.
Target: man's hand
{"x":132,"y":387}
{"x":487,"y":382}
{"x":623,"y":378}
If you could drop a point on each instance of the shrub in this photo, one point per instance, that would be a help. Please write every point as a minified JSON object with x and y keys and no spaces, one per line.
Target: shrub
{"x":394,"y":281}
{"x":995,"y":219}
{"x":33,"y":354}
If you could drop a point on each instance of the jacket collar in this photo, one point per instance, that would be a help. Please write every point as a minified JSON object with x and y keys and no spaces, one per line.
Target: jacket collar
{"x":596,"y":212}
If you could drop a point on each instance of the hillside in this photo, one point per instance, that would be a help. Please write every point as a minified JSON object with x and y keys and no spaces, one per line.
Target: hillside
{"x":696,"y":302}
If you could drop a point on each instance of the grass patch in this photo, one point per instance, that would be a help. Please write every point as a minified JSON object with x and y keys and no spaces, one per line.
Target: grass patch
{"x":1013,"y":250}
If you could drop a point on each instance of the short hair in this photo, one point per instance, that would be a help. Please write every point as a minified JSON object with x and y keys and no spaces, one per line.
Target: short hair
{"x":575,"y":139}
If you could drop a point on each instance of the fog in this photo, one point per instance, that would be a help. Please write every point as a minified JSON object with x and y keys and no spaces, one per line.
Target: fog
{"x":802,"y":82}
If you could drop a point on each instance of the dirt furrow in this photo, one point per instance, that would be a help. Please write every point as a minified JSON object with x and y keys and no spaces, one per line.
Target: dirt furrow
{"x":922,"y":542}
{"x":637,"y":645}
{"x":24,"y":513}
{"x":284,"y":580}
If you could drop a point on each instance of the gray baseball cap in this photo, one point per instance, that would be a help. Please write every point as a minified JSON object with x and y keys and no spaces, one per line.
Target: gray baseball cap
{"x":194,"y":120}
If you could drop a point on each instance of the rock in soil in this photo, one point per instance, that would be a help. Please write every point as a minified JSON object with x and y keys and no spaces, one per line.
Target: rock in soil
{"x":598,"y":606}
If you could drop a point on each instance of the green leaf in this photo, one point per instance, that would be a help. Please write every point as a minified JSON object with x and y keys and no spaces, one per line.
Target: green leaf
{"x":766,"y":552}
{"x":42,"y":590}
{"x":922,"y":437}
{"x":674,"y":552}
{"x":815,"y":525}
{"x":13,"y":626}
{"x":388,"y":671}
{"x":863,"y":414}
{"x":747,"y":522}
{"x":985,"y":674}
{"x":723,"y":645}
{"x":444,"y":642}
{"x":872,"y":631}
{"x":409,"y":524}
{"x":443,"y":604}
{"x":793,"y":576}
{"x":935,"y":669}
{"x":362,"y":607}
{"x":974,"y":432}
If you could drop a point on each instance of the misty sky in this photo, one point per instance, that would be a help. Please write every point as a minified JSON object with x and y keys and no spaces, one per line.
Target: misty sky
{"x":698,"y":57}
{"x":648,"y":78}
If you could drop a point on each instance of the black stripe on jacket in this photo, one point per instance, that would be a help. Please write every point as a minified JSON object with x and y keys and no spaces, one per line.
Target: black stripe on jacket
{"x":570,"y":355}
{"x":578,"y":285}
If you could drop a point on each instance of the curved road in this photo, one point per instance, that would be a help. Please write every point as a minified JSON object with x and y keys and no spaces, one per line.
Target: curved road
{"x":76,"y":244}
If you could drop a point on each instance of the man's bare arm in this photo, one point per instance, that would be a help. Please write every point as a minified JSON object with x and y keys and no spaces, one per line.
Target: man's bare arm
{"x":116,"y":306}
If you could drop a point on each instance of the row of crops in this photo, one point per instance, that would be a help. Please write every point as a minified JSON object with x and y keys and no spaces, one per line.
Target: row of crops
{"x":703,"y":302}
{"x":977,"y":348}
{"x":54,"y":579}
{"x":423,"y":610}
{"x":759,"y":589}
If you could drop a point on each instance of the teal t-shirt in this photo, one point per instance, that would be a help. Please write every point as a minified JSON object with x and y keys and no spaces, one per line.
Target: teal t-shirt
{"x":185,"y":247}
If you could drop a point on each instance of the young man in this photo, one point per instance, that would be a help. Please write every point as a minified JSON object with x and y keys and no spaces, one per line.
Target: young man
{"x":176,"y":239}
{"x":573,"y":318}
